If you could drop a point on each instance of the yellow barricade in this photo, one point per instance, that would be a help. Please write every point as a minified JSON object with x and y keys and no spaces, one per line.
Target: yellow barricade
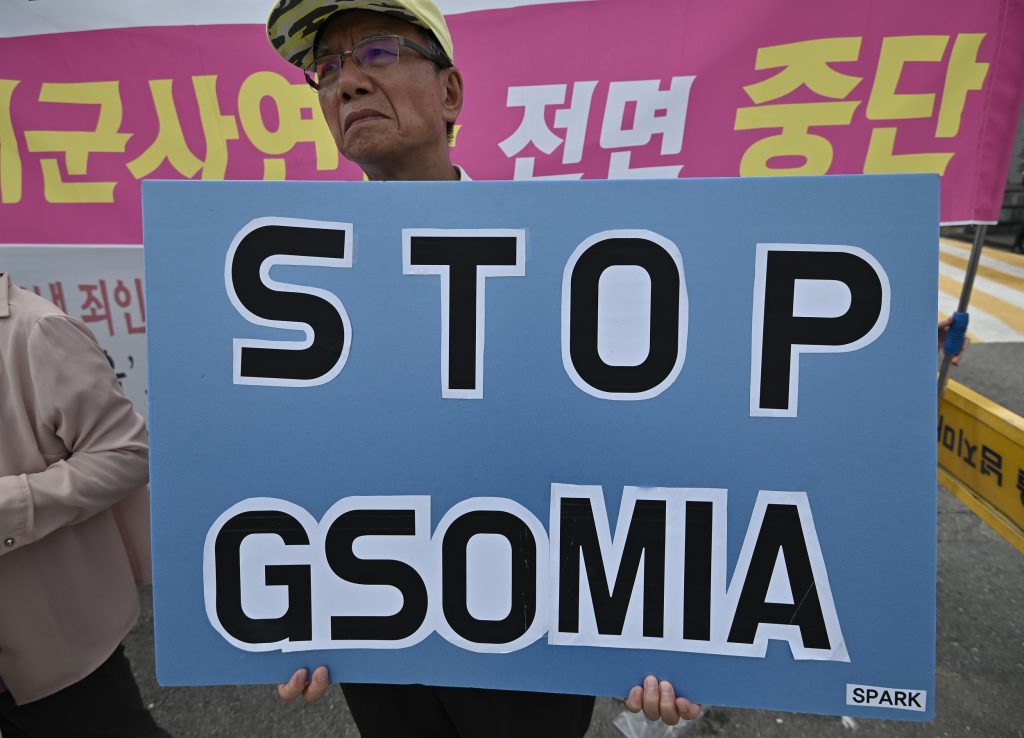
{"x":981,"y":459}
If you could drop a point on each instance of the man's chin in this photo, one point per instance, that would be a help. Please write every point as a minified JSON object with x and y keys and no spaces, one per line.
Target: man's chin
{"x":366,"y":156}
{"x":364,"y":149}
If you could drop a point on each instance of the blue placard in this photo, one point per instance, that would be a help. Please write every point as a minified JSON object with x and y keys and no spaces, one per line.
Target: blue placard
{"x":549,"y":436}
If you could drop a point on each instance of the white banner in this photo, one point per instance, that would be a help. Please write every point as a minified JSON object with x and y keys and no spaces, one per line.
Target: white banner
{"x":101,"y":286}
{"x":34,"y":17}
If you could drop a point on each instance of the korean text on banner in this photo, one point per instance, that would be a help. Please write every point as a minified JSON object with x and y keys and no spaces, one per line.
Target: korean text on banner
{"x":654,"y":89}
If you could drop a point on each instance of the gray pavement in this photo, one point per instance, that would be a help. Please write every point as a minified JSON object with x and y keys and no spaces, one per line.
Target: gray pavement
{"x":980,"y":641}
{"x":996,"y":370}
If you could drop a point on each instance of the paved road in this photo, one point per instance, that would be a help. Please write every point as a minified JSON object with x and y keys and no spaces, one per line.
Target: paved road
{"x":997,"y":302}
{"x":980,"y":648}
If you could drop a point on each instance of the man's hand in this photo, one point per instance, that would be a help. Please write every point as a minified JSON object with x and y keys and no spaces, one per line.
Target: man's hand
{"x":658,"y":700}
{"x":310,"y":691}
{"x":944,"y":326}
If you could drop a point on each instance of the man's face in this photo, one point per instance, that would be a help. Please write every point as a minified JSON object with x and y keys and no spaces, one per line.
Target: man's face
{"x":387,"y":117}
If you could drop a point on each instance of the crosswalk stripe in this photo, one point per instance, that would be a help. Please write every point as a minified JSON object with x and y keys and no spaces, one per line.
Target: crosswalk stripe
{"x":997,"y":299}
{"x":1006,"y":313}
{"x":1006,"y":269}
{"x":984,"y":328}
{"x":993,"y":254}
{"x":992,"y":283}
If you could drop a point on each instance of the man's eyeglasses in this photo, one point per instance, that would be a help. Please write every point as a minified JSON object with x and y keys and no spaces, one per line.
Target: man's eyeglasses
{"x":371,"y":53}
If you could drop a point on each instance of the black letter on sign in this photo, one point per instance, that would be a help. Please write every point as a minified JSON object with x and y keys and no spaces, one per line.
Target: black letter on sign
{"x":524,"y":576}
{"x":318,"y":358}
{"x":697,"y":571}
{"x":583,"y":361}
{"x":297,"y":623}
{"x":464,"y":259}
{"x":646,"y":537}
{"x":780,"y":334}
{"x":780,"y":530}
{"x":343,"y":562}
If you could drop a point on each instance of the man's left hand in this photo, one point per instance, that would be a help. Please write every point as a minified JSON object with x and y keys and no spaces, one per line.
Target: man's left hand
{"x":310,"y":690}
{"x":658,"y":700}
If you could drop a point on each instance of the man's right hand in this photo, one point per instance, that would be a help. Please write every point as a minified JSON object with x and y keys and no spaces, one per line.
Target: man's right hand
{"x":309,"y":690}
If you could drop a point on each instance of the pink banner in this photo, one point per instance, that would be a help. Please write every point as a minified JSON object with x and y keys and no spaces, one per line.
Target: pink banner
{"x":613,"y":88}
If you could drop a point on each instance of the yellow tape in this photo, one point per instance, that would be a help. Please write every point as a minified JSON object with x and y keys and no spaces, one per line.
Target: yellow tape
{"x":981,"y":459}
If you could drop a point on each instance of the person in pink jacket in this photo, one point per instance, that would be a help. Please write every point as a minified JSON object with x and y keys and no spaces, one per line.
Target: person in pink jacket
{"x":74,"y":533}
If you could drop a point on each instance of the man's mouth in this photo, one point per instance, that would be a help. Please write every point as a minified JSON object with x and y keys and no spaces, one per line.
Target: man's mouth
{"x":359,"y":116}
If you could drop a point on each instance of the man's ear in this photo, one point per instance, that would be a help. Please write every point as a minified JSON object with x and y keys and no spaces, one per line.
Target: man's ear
{"x":452,"y":87}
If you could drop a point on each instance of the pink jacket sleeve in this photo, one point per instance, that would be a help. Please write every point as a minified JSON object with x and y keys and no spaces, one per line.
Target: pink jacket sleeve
{"x":93,"y":441}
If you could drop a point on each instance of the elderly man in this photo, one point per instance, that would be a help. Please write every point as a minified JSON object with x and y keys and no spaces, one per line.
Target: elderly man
{"x":74,"y":532}
{"x":390,"y":93}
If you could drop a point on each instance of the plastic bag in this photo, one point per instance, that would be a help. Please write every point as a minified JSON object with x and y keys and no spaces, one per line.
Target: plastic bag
{"x":635,"y":725}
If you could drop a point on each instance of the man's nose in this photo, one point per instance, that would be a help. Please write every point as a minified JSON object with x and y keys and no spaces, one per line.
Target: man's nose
{"x":353,"y":81}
